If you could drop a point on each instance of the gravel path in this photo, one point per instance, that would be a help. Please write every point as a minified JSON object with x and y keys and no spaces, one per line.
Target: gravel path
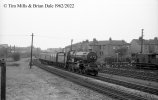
{"x":36,"y":84}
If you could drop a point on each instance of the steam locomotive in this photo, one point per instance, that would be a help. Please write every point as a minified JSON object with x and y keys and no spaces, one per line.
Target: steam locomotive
{"x":80,"y":62}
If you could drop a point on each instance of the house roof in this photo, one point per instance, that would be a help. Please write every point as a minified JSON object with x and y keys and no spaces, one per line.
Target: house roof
{"x":111,"y":42}
{"x":153,"y":42}
{"x":147,"y":42}
{"x":106,"y":42}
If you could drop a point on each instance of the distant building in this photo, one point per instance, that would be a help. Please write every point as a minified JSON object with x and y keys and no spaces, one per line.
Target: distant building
{"x":3,"y":45}
{"x":148,"y":46}
{"x":103,"y":49}
{"x":54,"y":50}
{"x":24,"y":51}
{"x":108,"y":48}
{"x":81,"y":46}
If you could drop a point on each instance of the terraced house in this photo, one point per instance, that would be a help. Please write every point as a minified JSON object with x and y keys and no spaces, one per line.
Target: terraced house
{"x":110,"y":48}
{"x":148,"y":46}
{"x":106,"y":48}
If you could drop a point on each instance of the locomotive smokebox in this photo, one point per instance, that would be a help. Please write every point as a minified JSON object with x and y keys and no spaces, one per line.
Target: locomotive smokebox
{"x":92,"y":57}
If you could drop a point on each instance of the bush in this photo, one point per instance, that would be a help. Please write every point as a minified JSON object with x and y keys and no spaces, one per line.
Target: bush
{"x":16,"y":56}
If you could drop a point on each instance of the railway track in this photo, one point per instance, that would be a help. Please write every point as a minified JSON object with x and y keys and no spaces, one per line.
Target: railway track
{"x":114,"y":93}
{"x":143,"y":88}
{"x":133,"y":74}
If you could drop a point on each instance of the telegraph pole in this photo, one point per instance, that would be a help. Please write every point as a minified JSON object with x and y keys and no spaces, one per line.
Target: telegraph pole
{"x":142,"y":42}
{"x":31,"y":50}
{"x":71,"y":44}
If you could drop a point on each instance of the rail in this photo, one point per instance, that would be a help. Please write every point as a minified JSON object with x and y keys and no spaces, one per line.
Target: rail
{"x":92,"y":85}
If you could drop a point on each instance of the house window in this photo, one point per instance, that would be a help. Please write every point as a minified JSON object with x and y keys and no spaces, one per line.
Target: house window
{"x":114,"y":47}
{"x":103,"y":47}
{"x":101,"y":53}
{"x":127,"y":47}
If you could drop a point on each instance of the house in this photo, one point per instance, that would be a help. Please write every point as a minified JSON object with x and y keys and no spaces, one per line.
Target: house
{"x":109,"y":47}
{"x":81,"y":46}
{"x":148,"y":46}
{"x":106,"y":48}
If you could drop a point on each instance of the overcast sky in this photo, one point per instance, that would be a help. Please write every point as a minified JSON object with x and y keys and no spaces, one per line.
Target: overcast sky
{"x":55,"y":27}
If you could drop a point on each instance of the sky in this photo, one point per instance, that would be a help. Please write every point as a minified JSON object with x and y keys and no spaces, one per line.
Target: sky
{"x":55,"y":27}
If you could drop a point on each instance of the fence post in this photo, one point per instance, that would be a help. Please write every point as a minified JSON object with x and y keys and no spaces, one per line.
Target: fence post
{"x":3,"y":79}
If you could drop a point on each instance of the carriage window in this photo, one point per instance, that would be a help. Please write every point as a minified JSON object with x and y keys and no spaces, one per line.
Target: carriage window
{"x":156,"y":56}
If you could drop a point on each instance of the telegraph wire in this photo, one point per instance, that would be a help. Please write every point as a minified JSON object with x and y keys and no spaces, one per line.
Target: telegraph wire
{"x":12,"y":35}
{"x":24,"y":36}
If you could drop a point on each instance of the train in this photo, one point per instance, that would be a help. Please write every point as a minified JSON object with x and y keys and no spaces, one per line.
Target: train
{"x":75,"y":61}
